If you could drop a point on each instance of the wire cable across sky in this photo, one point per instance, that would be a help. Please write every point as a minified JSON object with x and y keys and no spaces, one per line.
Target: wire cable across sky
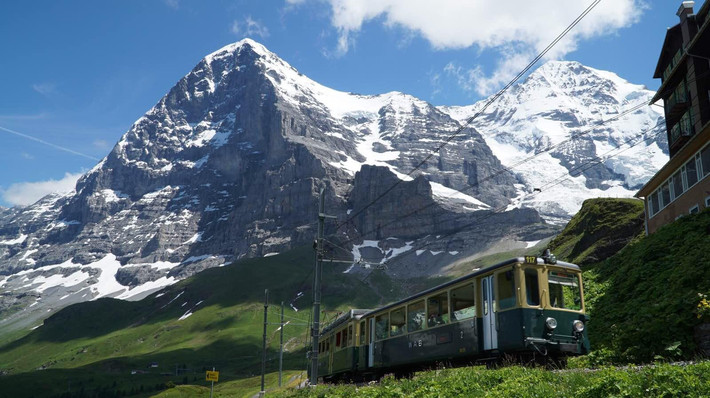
{"x":478,"y":113}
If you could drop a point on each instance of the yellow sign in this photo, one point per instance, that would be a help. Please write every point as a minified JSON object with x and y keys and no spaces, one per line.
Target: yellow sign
{"x":212,"y":375}
{"x":530,"y":260}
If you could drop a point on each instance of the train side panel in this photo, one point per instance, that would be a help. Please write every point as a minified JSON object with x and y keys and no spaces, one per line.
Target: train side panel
{"x":446,"y":342}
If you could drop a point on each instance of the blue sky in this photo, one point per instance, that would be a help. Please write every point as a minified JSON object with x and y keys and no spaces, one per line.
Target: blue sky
{"x":77,"y":74}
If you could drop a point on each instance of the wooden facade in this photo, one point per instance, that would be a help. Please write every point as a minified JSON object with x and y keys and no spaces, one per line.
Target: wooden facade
{"x":682,"y":186}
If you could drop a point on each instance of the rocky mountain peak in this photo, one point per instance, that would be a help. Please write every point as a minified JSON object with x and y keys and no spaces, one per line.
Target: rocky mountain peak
{"x":229,"y":163}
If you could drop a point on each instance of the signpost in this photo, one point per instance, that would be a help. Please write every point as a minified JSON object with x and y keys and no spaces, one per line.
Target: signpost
{"x":212,"y":376}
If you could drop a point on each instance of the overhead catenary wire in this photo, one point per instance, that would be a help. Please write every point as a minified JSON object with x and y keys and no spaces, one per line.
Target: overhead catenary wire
{"x":592,"y":163}
{"x":55,"y":146}
{"x":509,"y":168}
{"x":506,"y":169}
{"x":478,"y":113}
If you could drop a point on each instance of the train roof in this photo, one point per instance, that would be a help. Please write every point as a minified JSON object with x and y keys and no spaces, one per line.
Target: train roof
{"x":480,"y":271}
{"x":354,"y":313}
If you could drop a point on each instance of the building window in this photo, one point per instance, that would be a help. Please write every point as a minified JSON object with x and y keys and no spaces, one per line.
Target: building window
{"x":705,"y":160}
{"x":665,"y":195}
{"x":694,"y":210}
{"x":691,"y":173}
{"x":654,"y":204}
{"x":677,"y":182}
{"x":707,"y":201}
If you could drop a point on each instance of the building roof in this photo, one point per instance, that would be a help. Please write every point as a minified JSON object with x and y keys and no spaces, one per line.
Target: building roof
{"x":671,"y":34}
{"x":700,"y":37}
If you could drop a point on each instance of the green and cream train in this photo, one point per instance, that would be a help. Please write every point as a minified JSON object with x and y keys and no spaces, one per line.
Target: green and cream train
{"x":530,"y":307}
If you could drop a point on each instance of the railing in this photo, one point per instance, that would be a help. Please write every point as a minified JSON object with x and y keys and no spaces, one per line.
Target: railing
{"x":684,"y":128}
{"x":674,"y":61}
{"x":679,"y":97}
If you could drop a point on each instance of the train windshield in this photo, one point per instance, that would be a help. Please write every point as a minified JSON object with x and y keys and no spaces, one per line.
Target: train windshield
{"x":564,"y":290}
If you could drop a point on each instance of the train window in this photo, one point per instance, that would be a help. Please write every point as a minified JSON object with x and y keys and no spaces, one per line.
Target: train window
{"x":506,"y":289}
{"x":564,"y":290}
{"x":398,"y":324}
{"x":463,"y":303}
{"x":532,"y":287}
{"x":362,"y":333}
{"x":337,"y":340}
{"x":345,"y":338}
{"x":438,"y":309}
{"x":350,"y":335}
{"x":381,"y":326}
{"x":415,"y":316}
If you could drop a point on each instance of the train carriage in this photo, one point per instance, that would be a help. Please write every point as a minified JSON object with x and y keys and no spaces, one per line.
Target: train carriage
{"x":526,"y":306}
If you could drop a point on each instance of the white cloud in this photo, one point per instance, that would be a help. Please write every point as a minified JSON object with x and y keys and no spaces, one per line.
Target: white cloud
{"x":26,"y":193}
{"x":249,"y":28}
{"x":523,"y":25}
{"x":45,"y":89}
{"x":512,"y":61}
{"x":174,"y":4}
{"x":101,"y":144}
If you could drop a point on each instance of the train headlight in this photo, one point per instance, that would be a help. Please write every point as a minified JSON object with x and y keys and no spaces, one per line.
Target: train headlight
{"x":578,"y":326}
{"x":551,"y":323}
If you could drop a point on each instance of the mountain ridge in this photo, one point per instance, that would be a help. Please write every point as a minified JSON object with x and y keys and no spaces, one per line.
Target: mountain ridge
{"x":228,"y":165}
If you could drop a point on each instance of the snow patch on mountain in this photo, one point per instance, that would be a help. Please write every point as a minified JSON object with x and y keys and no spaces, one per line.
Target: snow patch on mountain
{"x":561,"y":131}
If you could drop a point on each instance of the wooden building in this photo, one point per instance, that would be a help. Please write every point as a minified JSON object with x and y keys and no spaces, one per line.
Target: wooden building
{"x":682,"y":186}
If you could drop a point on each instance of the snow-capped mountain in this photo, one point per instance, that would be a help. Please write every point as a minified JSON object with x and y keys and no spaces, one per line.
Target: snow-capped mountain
{"x":229,"y":163}
{"x":567,"y":117}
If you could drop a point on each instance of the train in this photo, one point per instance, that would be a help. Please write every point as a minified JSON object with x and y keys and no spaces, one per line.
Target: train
{"x":528,"y":308}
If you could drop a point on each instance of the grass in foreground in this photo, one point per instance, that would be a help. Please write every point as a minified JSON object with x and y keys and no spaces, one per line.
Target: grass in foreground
{"x":662,"y":380}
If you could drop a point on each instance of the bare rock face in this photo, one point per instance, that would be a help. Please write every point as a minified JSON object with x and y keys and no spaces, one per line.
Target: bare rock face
{"x":229,"y":164}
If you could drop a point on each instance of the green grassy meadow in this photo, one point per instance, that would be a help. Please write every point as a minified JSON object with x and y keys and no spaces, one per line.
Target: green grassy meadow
{"x":642,"y":299}
{"x":95,"y":347}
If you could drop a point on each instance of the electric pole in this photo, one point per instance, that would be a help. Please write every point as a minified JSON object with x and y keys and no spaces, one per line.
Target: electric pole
{"x":316,"y":289}
{"x":281,"y":348}
{"x":263,"y":344}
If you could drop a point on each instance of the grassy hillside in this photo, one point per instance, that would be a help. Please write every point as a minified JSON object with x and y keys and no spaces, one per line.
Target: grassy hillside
{"x":642,"y":292}
{"x":643,"y":300}
{"x":95,"y":346}
{"x":601,"y":228}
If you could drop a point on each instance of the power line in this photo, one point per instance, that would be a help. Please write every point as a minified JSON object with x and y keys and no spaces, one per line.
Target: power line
{"x":527,"y":159}
{"x":41,"y":141}
{"x":472,"y":118}
{"x":592,"y":163}
{"x":506,"y":169}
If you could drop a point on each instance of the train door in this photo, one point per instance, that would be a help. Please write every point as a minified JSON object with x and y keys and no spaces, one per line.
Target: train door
{"x":371,"y":346}
{"x":331,"y":341}
{"x":490,"y":334}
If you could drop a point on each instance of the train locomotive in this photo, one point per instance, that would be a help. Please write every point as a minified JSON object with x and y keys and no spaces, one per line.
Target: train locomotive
{"x":527,"y":307}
